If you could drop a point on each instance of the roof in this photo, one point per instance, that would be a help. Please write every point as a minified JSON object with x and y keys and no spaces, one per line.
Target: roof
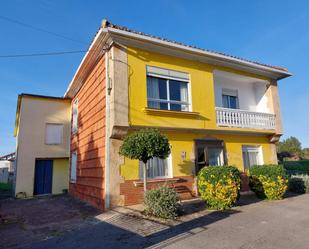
{"x":9,"y":157}
{"x":42,"y":96}
{"x":107,"y":24}
{"x":110,"y":33}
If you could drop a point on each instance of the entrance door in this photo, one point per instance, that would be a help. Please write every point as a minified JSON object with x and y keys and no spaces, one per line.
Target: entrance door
{"x":209,"y":152}
{"x":43,"y":177}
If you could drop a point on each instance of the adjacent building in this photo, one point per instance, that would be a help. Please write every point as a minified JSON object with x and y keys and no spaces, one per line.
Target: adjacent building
{"x":215,"y":109}
{"x":42,"y":133}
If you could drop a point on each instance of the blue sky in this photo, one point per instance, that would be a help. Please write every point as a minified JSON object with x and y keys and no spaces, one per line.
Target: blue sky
{"x":273,"y":32}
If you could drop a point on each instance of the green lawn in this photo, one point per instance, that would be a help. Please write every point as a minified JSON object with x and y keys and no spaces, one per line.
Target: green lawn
{"x":5,"y":186}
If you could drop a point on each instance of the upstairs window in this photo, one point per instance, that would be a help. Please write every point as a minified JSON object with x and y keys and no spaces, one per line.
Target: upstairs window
{"x":167,"y":89}
{"x":75,"y":116}
{"x":53,"y":134}
{"x":230,"y":99}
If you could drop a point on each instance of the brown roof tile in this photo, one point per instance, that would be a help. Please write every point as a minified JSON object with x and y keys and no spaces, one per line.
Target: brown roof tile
{"x":106,"y":24}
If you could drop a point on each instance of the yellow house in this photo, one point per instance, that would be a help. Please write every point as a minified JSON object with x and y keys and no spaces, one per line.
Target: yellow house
{"x":42,"y":133}
{"x":214,"y":108}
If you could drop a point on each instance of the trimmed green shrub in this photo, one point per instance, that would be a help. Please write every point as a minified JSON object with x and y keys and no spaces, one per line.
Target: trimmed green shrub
{"x":219,"y":186}
{"x":268,"y":181}
{"x":144,"y":145}
{"x":299,"y":184}
{"x":161,"y":202}
{"x":297,"y":167}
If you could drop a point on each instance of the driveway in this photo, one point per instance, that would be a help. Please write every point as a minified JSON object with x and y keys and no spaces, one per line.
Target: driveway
{"x":253,"y":224}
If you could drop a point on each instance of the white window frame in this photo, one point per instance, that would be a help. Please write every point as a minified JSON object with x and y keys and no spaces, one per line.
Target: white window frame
{"x":168,"y":75}
{"x":73,"y":174}
{"x":253,"y":148}
{"x":230,"y":93}
{"x":75,"y":117}
{"x":169,"y":169}
{"x":46,"y":135}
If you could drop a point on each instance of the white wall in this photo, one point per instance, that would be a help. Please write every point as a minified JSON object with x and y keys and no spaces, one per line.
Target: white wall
{"x":5,"y":164}
{"x":251,"y":91}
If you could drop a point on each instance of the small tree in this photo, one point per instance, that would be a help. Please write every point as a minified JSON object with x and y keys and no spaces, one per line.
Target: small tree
{"x":289,"y":147}
{"x":143,"y":145}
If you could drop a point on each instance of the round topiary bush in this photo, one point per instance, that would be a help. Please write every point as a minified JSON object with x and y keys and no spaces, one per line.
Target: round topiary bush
{"x":268,"y":181}
{"x":299,"y":184}
{"x":219,"y":186}
{"x":161,"y":202}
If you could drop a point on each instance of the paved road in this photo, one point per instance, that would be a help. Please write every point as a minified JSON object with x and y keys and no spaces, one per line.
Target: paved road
{"x":278,"y":224}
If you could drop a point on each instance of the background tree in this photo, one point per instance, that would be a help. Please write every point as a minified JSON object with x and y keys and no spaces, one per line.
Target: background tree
{"x":144,"y":145}
{"x":289,"y":147}
{"x":306,"y":153}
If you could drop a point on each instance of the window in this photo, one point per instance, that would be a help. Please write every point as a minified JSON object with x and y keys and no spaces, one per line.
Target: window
{"x":156,"y":168}
{"x":252,"y":155}
{"x":53,"y":134}
{"x":167,"y":89}
{"x":75,"y":116}
{"x":230,"y":98}
{"x":209,"y":152}
{"x":215,"y":156}
{"x":73,"y":166}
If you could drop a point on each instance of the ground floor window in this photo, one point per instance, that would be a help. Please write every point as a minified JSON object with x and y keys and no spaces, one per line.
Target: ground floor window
{"x":209,"y":152}
{"x":156,"y":168}
{"x":252,"y":155}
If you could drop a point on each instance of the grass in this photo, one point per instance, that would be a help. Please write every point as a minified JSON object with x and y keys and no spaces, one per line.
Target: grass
{"x":5,"y":186}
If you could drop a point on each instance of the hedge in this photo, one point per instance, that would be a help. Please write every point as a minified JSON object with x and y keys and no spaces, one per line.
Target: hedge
{"x":161,"y":202}
{"x":297,"y":167}
{"x":299,"y":184}
{"x":268,"y":181}
{"x":219,"y":186}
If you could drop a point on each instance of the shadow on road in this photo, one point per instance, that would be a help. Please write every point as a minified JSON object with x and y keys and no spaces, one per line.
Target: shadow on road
{"x":108,"y":235}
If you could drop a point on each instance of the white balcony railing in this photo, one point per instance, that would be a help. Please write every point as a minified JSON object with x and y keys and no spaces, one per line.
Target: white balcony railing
{"x":244,"y":119}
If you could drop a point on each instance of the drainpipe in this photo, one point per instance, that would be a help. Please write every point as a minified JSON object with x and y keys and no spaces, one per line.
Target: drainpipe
{"x":107,"y":134}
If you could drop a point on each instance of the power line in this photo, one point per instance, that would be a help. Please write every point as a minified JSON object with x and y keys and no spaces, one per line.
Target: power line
{"x":39,"y":29}
{"x":43,"y":54}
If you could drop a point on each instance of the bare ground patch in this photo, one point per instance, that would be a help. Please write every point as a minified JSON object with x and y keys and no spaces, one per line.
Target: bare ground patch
{"x":24,"y":222}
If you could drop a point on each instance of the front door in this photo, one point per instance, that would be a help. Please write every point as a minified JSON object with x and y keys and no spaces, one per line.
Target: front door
{"x":209,"y":152}
{"x":43,"y":177}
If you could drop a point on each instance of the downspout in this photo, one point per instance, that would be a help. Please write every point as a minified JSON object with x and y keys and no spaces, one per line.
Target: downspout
{"x":107,"y":134}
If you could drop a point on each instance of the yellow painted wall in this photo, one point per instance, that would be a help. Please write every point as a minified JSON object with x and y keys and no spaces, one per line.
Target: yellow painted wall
{"x":185,"y":142}
{"x":34,"y":114}
{"x":60,"y":175}
{"x":203,"y":102}
{"x":202,"y":91}
{"x":203,"y":98}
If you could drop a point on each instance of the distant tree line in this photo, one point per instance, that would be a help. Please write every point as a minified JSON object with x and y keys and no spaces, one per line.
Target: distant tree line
{"x":291,"y":148}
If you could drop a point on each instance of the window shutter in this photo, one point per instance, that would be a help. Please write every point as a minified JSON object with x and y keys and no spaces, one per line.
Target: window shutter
{"x":75,"y":116}
{"x":157,"y":71}
{"x":230,"y":92}
{"x":73,"y":166}
{"x":53,"y":134}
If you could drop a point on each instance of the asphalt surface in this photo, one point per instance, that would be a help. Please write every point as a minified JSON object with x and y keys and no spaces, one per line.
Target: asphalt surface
{"x":264,"y":224}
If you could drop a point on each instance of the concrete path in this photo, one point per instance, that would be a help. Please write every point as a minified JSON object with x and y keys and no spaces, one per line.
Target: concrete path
{"x":277,"y":224}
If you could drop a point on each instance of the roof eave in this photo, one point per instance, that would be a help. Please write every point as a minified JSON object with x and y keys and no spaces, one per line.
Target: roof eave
{"x":17,"y":115}
{"x":93,"y":53}
{"x":278,"y":74}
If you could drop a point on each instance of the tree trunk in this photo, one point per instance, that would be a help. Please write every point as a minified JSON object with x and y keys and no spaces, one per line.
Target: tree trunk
{"x":145,"y":178}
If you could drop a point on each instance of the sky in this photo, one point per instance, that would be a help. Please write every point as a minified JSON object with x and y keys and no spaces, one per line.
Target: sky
{"x":272,"y":32}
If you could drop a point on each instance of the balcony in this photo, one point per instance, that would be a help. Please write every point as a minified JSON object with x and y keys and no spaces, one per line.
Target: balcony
{"x":244,"y":119}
